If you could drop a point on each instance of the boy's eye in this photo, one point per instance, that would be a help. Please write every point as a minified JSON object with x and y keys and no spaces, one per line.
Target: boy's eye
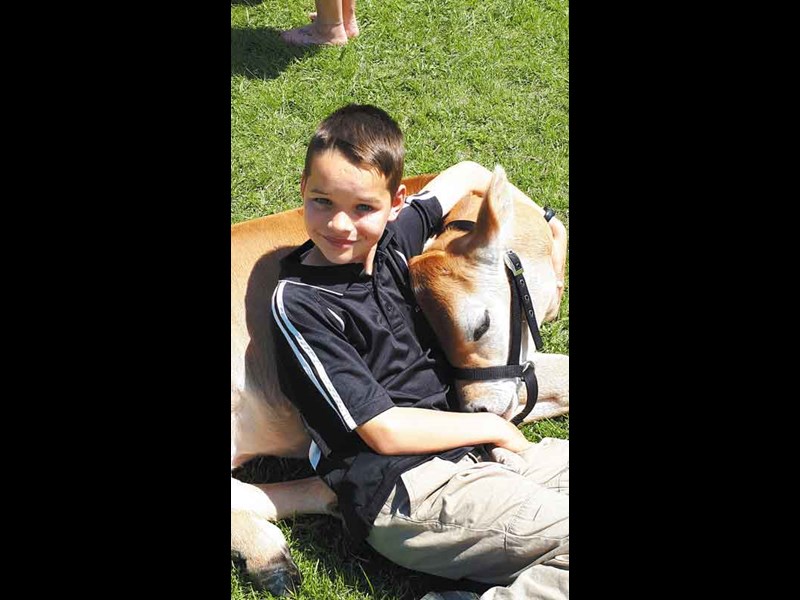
{"x":321,"y":201}
{"x":365,"y":208}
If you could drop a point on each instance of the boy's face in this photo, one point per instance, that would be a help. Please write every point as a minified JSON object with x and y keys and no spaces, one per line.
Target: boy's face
{"x":346,"y":209}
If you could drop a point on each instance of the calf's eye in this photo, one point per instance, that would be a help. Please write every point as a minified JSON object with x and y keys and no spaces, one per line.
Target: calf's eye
{"x":483,"y":328}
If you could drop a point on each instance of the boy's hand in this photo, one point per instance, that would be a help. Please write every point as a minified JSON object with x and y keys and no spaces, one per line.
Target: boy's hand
{"x":510,"y":459}
{"x":512,"y":438}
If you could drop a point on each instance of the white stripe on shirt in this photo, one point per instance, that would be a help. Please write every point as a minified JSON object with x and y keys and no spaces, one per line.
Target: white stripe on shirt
{"x":403,"y":256}
{"x":341,"y":322}
{"x":292,"y":335}
{"x":423,"y":195}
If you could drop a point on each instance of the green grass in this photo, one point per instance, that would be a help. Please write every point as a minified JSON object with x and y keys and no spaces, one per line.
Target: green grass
{"x":483,"y":80}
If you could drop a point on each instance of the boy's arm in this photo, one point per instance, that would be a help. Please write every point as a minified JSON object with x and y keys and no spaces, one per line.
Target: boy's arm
{"x":419,"y":430}
{"x":457,"y":181}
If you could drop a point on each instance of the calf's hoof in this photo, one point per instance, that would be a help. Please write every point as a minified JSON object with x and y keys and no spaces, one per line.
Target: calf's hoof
{"x":278,"y":581}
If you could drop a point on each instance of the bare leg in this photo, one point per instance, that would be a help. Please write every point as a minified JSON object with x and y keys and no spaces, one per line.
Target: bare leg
{"x":302,"y":496}
{"x":275,"y":501}
{"x":349,"y":14}
{"x":327,"y":29}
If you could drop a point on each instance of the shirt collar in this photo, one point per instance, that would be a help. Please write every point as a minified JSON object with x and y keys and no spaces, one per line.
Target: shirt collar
{"x":353,"y":272}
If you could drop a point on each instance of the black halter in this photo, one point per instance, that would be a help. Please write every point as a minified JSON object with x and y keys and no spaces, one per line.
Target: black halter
{"x":520,"y":301}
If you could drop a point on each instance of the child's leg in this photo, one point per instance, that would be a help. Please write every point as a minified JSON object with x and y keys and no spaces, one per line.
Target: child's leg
{"x":548,"y":580}
{"x":350,"y":22}
{"x":327,"y":28}
{"x":349,"y":15}
{"x":480,"y":521}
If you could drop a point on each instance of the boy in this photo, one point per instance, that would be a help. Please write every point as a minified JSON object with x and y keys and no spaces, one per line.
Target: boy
{"x":357,"y":359}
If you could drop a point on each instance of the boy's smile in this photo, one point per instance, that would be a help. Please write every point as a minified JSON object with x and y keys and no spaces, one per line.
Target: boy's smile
{"x":346,"y":210}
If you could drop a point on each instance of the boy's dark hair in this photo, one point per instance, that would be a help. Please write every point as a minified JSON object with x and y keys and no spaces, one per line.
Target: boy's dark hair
{"x":366,"y":136}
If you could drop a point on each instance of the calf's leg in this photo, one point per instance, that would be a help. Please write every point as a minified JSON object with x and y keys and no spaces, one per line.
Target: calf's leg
{"x":552,"y":375}
{"x":257,"y":545}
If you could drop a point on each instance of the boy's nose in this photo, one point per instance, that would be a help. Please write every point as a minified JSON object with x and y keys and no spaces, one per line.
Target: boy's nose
{"x":341,"y":222}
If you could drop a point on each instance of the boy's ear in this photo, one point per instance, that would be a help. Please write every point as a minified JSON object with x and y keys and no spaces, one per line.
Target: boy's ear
{"x":302,"y":184}
{"x":398,"y":202}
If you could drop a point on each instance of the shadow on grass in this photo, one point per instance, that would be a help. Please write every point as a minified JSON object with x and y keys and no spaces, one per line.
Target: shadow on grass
{"x":270,"y":469}
{"x":261,"y":54}
{"x":359,"y":566}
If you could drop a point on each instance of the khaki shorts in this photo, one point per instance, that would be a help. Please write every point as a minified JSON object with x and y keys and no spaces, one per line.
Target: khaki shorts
{"x":481,"y":520}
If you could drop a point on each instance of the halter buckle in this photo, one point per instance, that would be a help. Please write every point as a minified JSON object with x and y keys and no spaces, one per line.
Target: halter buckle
{"x":511,"y":266}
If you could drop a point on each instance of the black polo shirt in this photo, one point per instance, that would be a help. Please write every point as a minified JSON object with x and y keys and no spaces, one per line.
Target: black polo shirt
{"x":350,"y":346}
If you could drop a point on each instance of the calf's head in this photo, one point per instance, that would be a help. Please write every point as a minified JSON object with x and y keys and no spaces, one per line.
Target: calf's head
{"x":460,"y":283}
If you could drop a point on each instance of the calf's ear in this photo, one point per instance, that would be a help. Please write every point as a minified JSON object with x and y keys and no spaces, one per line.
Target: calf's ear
{"x":494,"y":222}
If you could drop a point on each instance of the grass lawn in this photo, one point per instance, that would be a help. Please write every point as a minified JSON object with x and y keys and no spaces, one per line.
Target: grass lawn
{"x":484,"y":80}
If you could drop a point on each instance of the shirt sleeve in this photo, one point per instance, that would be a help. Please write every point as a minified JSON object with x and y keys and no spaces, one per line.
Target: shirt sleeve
{"x":417,"y":222}
{"x":319,"y":370}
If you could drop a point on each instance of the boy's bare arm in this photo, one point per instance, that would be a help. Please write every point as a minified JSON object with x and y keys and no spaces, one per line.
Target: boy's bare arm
{"x":420,"y":430}
{"x":457,"y":181}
